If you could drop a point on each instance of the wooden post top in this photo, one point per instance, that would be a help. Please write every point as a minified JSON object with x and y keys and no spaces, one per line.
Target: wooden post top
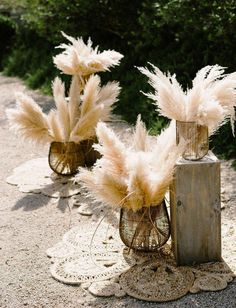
{"x":208,"y":159}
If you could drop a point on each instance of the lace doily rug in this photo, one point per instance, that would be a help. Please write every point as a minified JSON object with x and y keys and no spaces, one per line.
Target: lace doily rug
{"x":95,"y":258}
{"x":35,"y":176}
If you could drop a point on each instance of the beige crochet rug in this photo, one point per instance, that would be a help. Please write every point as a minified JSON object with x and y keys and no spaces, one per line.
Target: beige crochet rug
{"x":95,"y":258}
{"x":35,"y":176}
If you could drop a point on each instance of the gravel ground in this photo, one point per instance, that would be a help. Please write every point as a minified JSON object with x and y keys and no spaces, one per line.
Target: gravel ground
{"x":30,"y":224}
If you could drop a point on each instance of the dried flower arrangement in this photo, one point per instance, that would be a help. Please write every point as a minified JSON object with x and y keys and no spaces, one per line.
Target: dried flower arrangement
{"x":81,"y":59}
{"x":73,"y":121}
{"x":209,"y":102}
{"x":135,"y":178}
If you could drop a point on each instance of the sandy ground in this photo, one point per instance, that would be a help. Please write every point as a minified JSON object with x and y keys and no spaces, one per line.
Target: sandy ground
{"x":30,"y":224}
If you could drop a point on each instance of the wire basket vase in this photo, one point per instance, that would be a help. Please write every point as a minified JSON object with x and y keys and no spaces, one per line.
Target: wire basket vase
{"x":64,"y":158}
{"x":147,"y":229}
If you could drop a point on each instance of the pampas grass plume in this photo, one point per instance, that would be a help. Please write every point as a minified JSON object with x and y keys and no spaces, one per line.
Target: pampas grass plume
{"x":62,"y":107}
{"x":131,"y":177}
{"x":111,"y":148}
{"x":140,"y":137}
{"x":28,"y":120}
{"x":211,"y":91}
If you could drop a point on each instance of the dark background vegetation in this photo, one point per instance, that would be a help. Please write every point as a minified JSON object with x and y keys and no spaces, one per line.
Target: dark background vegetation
{"x":180,"y":36}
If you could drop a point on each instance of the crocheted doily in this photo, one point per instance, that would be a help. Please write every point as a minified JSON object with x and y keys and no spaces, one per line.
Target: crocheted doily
{"x":157,"y":281}
{"x":88,"y":267}
{"x":35,"y":176}
{"x":212,"y":276}
{"x":96,"y":258}
{"x":84,"y":239}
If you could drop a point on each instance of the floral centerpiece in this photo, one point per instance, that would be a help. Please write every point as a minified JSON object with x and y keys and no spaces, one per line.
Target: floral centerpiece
{"x":70,"y":128}
{"x":198,"y":110}
{"x":135,"y":179}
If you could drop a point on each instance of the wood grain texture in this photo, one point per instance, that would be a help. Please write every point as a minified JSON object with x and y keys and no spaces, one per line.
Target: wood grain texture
{"x":195,"y":211}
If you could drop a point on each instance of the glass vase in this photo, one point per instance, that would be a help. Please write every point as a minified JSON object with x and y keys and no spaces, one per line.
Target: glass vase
{"x":65,"y":157}
{"x":146,"y":229}
{"x":196,"y":138}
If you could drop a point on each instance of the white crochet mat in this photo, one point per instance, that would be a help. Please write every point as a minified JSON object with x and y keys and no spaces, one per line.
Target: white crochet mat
{"x":35,"y":176}
{"x":97,"y":259}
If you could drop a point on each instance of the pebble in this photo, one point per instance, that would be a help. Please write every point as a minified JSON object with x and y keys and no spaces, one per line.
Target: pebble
{"x":77,"y":203}
{"x":85,"y":210}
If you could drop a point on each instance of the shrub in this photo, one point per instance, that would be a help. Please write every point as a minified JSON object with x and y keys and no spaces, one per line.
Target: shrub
{"x":7,"y":32}
{"x":179,"y":36}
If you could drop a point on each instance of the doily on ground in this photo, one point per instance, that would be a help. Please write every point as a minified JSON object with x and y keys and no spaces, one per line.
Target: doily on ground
{"x":157,"y":281}
{"x":84,"y":238}
{"x":106,"y":288}
{"x":91,"y":253}
{"x":95,"y":258}
{"x":89,"y":267}
{"x":212,"y":276}
{"x":62,"y":250}
{"x":35,"y":176}
{"x":210,"y":282}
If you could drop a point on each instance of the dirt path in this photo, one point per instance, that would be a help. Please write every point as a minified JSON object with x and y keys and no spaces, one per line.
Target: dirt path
{"x":30,"y":224}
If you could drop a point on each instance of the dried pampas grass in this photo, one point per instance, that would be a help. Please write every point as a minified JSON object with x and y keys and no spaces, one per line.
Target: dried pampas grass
{"x":112,"y":149}
{"x":29,"y":121}
{"x":81,"y":59}
{"x":210,"y":101}
{"x":132,"y":177}
{"x":74,"y":118}
{"x":140,"y":138}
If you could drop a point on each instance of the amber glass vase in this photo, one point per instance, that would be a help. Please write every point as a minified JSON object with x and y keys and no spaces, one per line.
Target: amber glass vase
{"x":196,"y":138}
{"x":64,"y":158}
{"x":146,"y":229}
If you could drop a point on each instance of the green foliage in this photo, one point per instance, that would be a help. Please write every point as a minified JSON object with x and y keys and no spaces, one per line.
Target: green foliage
{"x":32,"y":64}
{"x":180,"y":36}
{"x":223,"y":142}
{"x":7,"y":32}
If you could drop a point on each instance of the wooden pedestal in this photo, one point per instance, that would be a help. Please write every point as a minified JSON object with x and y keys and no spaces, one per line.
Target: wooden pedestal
{"x":195,"y":211}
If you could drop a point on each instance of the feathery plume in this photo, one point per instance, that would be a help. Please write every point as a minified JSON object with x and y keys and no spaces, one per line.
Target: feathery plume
{"x":111,"y":148}
{"x":62,"y":107}
{"x":76,"y":116}
{"x":129,"y":177}
{"x":28,"y":120}
{"x":206,"y":76}
{"x":79,"y":58}
{"x":104,"y":187}
{"x":169,"y":96}
{"x":108,"y":96}
{"x":210,"y":113}
{"x":54,"y":126}
{"x":140,"y":142}
{"x":138,"y":184}
{"x":90,"y":96}
{"x":210,"y":101}
{"x":85,"y":127}
{"x":74,"y":102}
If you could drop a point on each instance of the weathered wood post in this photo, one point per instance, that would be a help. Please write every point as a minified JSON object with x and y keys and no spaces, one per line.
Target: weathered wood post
{"x":195,"y":211}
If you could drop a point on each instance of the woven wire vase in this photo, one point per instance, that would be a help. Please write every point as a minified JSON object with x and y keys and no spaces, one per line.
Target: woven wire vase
{"x":147,"y":229}
{"x":64,"y":158}
{"x":196,"y":138}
